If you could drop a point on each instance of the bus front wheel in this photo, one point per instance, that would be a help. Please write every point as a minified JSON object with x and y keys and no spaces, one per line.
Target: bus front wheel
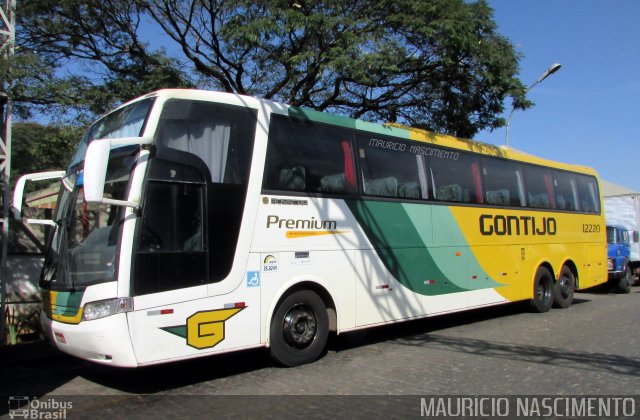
{"x":299,"y":329}
{"x":564,"y":288}
{"x":542,"y":291}
{"x":624,"y":284}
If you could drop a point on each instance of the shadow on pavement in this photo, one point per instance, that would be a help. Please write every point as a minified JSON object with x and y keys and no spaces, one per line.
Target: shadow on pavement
{"x":598,"y":362}
{"x":160,"y":378}
{"x":152,"y":379}
{"x":427,"y":325}
{"x":38,"y":369}
{"x":47,"y":369}
{"x":34,"y":369}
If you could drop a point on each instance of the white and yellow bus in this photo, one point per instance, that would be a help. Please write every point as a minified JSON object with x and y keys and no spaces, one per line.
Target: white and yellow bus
{"x":192,"y":223}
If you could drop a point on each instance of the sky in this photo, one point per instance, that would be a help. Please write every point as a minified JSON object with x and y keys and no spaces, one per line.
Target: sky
{"x":588,"y":112}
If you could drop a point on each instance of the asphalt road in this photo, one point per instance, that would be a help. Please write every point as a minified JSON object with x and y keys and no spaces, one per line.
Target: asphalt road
{"x":590,"y":348}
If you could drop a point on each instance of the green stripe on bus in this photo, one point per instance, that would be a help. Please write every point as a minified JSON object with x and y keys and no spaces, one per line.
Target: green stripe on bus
{"x":386,"y":130}
{"x":401,"y":236}
{"x":346,"y":122}
{"x":445,"y":257}
{"x":67,"y":303}
{"x":179,"y":330}
{"x":317,"y":116}
{"x":400,"y":247}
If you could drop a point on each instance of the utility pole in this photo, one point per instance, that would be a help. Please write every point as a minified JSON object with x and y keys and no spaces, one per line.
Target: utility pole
{"x":7,"y":47}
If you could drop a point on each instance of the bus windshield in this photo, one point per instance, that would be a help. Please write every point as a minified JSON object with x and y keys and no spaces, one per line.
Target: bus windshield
{"x":83,"y":250}
{"x":125,"y":122}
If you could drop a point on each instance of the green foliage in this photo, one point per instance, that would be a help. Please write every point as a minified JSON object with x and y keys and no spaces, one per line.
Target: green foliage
{"x":20,"y":327}
{"x":437,"y":64}
{"x":38,"y":148}
{"x":36,"y":87}
{"x":434,"y":64}
{"x":12,"y":325}
{"x":82,"y":58}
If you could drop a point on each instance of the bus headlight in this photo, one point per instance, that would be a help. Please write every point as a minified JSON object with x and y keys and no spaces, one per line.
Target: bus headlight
{"x":103,"y":308}
{"x":611,"y":264}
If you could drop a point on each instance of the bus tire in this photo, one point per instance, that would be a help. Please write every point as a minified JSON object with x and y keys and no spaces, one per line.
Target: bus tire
{"x":542,"y":299}
{"x":564,"y":288}
{"x":625,"y":282}
{"x":299,"y":329}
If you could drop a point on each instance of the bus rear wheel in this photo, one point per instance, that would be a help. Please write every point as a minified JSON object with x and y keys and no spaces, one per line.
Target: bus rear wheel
{"x":564,"y":288}
{"x":542,"y":299}
{"x":299,"y":329}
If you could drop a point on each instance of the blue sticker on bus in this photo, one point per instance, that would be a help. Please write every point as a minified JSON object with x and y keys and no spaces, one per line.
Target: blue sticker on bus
{"x":253,"y":279}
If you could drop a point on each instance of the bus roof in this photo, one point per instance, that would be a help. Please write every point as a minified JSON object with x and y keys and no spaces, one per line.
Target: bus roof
{"x":388,"y":129}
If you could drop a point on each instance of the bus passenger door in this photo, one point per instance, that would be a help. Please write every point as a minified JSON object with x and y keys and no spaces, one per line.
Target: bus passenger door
{"x":175,"y":316}
{"x":170,"y":268}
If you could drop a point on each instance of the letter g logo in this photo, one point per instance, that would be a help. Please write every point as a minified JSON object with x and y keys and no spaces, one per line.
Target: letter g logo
{"x":206,"y":329}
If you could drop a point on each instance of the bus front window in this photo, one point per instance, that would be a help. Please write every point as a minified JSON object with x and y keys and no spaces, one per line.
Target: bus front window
{"x":83,"y":250}
{"x":94,"y":229}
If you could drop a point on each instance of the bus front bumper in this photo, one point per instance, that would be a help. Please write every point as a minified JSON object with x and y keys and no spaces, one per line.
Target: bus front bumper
{"x":104,"y":340}
{"x":616,"y":275}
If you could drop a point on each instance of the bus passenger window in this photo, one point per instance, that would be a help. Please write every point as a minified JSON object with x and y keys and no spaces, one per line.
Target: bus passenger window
{"x":564,"y":185}
{"x":220,"y":135}
{"x":456,"y":177}
{"x":588,"y":194}
{"x":539,"y":187}
{"x":308,"y":158}
{"x":390,"y":169}
{"x":502,"y":182}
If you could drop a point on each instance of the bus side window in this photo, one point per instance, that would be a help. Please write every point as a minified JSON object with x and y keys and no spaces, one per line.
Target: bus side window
{"x":173,"y":218}
{"x":456,"y":179}
{"x":218,"y":134}
{"x":565,"y":190}
{"x":389,"y":170}
{"x":503,"y":183}
{"x":539,"y":187}
{"x":308,"y":158}
{"x":588,"y":194}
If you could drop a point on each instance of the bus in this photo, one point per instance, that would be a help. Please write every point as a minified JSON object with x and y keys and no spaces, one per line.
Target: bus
{"x":192,"y":223}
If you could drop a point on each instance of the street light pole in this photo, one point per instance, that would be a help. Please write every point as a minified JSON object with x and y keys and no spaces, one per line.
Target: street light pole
{"x":548,"y":72}
{"x":7,"y":46}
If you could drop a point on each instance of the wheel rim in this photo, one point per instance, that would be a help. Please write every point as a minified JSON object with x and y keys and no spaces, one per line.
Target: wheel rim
{"x":544,"y":291}
{"x":565,"y":286}
{"x":300,"y":326}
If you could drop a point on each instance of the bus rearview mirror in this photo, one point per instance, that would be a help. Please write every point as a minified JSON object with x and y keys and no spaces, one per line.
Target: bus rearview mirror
{"x":95,"y":170}
{"x":18,"y":194}
{"x":96,"y":161}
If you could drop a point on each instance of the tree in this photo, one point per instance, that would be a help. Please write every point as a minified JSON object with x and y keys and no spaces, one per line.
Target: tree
{"x":437,"y":64}
{"x":81,"y":58}
{"x":39,"y":148}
